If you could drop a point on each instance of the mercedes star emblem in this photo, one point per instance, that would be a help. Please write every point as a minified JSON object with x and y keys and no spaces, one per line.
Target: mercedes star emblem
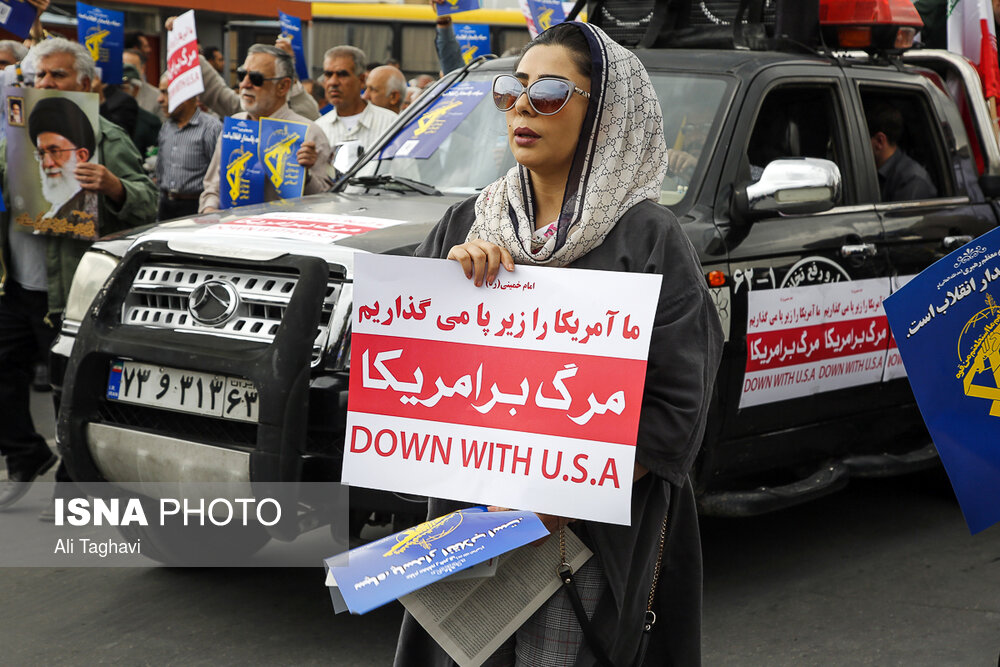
{"x":213,"y":302}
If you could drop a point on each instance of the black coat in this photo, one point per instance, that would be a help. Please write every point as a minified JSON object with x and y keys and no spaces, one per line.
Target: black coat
{"x":685,"y":348}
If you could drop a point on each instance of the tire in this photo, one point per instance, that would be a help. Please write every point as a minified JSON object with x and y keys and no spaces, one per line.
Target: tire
{"x":199,"y":546}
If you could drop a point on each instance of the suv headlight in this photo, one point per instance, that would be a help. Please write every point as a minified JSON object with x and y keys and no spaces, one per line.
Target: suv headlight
{"x":90,"y":276}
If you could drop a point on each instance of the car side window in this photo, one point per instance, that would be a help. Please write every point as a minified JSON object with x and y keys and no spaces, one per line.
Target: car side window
{"x":907,"y":149}
{"x":797,"y":121}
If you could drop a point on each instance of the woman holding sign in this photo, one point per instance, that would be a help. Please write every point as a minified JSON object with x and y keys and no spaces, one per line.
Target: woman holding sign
{"x":585,"y":127}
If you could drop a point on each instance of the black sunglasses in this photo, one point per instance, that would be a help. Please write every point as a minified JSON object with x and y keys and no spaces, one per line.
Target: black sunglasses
{"x":546,"y":96}
{"x":257,"y":79}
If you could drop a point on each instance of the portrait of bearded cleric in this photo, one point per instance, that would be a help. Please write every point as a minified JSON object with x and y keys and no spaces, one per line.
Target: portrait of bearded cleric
{"x":60,"y":134}
{"x":63,"y":138}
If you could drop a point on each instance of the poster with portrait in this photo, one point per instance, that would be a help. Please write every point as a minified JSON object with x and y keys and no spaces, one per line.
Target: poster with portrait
{"x":49,"y":133}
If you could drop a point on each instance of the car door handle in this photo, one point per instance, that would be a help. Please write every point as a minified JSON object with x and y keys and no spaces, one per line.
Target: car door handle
{"x":952,"y":242}
{"x":858,"y":250}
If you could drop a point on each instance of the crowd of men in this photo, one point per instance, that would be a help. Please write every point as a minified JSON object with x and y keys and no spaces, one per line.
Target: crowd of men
{"x":151,"y":164}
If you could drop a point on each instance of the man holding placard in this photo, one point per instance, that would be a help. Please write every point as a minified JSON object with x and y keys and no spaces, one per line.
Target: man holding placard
{"x":265,"y":79}
{"x":38,"y":267}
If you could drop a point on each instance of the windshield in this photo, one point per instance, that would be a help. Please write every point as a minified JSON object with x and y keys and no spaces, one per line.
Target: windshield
{"x":459,"y":143}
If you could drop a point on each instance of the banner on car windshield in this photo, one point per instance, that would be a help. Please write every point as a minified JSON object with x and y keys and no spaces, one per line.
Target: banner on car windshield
{"x":523,"y":393}
{"x":427,"y":132}
{"x":947,"y":325}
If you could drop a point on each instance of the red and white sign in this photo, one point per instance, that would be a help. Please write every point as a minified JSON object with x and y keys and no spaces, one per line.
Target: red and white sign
{"x":184,"y":72}
{"x":807,"y":340}
{"x":312,"y":227}
{"x":523,"y":393}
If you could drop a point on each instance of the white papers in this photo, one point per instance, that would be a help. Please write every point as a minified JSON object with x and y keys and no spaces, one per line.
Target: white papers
{"x":471,"y":618}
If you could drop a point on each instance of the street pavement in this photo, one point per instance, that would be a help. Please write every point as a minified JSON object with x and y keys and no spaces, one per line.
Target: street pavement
{"x":883,"y":573}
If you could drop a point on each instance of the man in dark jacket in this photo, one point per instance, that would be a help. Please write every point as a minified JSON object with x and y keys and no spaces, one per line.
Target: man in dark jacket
{"x":37,"y":270}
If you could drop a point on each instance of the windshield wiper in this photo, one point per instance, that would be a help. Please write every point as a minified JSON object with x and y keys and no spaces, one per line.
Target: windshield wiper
{"x":383,"y":180}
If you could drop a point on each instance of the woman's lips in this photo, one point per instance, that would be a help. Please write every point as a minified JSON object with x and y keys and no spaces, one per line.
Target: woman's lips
{"x":525,"y":137}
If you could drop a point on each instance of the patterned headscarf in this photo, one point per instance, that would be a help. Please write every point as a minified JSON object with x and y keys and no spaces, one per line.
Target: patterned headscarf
{"x":620,"y":160}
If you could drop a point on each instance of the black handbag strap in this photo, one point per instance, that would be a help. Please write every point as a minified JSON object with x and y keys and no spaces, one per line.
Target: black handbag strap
{"x":566,"y":575}
{"x":649,"y":619}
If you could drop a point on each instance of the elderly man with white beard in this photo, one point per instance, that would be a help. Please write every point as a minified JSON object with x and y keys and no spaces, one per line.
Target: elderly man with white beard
{"x":265,"y":80}
{"x":37,"y":270}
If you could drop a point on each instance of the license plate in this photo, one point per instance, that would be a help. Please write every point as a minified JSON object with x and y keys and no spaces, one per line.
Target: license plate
{"x":184,"y":391}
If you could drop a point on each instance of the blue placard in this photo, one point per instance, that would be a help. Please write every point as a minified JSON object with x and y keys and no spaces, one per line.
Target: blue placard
{"x":422,"y":136}
{"x":102,"y":31}
{"x":382,"y":571}
{"x":456,"y":6}
{"x":946,"y":322}
{"x":474,"y":38}
{"x":242,"y":177}
{"x":280,"y":140}
{"x":546,"y":13}
{"x":16,"y":16}
{"x":291,"y":29}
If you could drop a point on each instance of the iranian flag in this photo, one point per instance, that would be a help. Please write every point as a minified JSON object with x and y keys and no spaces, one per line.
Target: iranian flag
{"x":972,"y":34}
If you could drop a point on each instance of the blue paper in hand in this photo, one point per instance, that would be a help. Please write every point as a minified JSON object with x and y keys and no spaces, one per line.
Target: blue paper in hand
{"x":16,"y":16}
{"x":456,"y":6}
{"x":242,"y":177}
{"x":382,"y":571}
{"x":546,"y":13}
{"x":946,"y":322}
{"x":474,"y":40}
{"x":291,"y":29}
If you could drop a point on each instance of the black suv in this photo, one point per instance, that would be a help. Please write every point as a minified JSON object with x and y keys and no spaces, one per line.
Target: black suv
{"x":775,"y":184}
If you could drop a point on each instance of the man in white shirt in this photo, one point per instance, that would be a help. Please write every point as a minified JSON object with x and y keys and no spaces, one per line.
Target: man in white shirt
{"x":352,"y":118}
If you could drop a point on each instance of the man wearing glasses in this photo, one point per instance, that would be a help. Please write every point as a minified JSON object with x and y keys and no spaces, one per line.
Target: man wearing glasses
{"x":37,"y":270}
{"x":265,"y":79}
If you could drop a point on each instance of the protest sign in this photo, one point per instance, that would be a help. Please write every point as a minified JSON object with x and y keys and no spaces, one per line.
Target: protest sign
{"x":183,"y":69}
{"x":102,"y":31}
{"x":455,"y":6}
{"x":946,"y":322}
{"x":546,"y":13}
{"x":16,"y":16}
{"x":381,"y":571}
{"x":474,"y":40}
{"x":279,"y":141}
{"x":422,"y":136}
{"x":242,"y":174}
{"x":524,"y":393}
{"x":814,"y":338}
{"x":50,"y":132}
{"x":291,"y":29}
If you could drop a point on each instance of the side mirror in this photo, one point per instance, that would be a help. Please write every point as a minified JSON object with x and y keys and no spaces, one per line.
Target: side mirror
{"x":346,"y":154}
{"x":789,"y":186}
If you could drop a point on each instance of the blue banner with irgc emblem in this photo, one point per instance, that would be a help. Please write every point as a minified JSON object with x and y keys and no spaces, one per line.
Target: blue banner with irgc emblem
{"x":280,"y":140}
{"x":291,"y":29}
{"x":242,"y":177}
{"x":427,"y":131}
{"x":474,"y":40}
{"x":455,"y":6}
{"x":946,"y":322}
{"x":384,"y":570}
{"x":102,"y":31}
{"x":546,"y":13}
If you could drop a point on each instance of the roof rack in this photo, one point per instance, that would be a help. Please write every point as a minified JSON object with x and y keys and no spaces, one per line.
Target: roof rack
{"x":718,"y":24}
